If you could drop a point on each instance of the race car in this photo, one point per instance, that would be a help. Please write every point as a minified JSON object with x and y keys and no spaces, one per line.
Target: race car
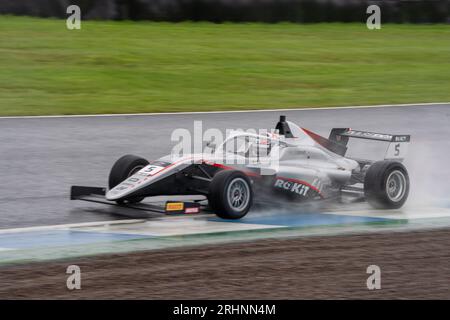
{"x":290,"y":164}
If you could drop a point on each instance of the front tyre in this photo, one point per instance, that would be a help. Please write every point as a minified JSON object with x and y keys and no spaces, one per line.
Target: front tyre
{"x":230,"y":194}
{"x":124,"y":168}
{"x":386,"y":185}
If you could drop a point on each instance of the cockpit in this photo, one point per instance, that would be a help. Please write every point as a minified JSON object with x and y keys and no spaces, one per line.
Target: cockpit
{"x":248,"y":145}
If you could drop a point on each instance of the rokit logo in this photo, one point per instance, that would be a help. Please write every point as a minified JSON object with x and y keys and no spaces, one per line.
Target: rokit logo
{"x":381,"y":136}
{"x":296,"y":187}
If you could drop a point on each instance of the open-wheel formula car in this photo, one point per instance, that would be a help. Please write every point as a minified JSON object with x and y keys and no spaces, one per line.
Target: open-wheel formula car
{"x":288,"y":165}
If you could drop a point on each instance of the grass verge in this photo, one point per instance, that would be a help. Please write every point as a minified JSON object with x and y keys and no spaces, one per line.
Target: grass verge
{"x":124,"y":67}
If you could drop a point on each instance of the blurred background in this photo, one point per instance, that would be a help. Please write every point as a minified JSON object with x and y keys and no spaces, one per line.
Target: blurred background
{"x":414,"y":11}
{"x":184,"y":55}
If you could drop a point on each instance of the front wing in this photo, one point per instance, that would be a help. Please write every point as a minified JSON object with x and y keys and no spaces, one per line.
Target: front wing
{"x":97,"y":195}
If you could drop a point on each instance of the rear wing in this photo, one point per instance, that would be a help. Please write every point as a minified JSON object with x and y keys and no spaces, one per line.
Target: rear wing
{"x":397,"y":148}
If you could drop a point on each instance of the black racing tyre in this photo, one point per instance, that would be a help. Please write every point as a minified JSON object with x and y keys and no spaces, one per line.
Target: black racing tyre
{"x":124,"y":168}
{"x":386,"y":185}
{"x":230,"y":194}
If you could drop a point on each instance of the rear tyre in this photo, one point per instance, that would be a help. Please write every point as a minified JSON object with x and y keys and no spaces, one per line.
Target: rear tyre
{"x":124,"y":168}
{"x":230,"y":194}
{"x":386,"y":185}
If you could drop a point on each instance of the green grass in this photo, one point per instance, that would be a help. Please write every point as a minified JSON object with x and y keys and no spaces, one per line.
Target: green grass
{"x":122,"y":67}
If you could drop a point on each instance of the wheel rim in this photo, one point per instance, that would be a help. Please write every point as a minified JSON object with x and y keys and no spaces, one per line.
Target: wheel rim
{"x":396,"y":186}
{"x":238,"y":193}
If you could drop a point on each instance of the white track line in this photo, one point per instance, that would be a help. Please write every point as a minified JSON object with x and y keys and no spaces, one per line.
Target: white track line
{"x":69,"y":226}
{"x":230,"y":111}
{"x":94,"y":224}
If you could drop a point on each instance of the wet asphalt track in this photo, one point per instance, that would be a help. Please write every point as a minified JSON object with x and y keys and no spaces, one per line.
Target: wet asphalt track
{"x":40,"y":158}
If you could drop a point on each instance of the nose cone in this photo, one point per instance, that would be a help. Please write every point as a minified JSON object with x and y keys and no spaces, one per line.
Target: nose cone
{"x":120,"y":191}
{"x":112,"y":194}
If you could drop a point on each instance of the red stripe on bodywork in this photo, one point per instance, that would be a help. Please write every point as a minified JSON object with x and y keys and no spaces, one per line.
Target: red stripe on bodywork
{"x":175,"y":163}
{"x":222,"y":166}
{"x":324,"y":142}
{"x":169,"y":166}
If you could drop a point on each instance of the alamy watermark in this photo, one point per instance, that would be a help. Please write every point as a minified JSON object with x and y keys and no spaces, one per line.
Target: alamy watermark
{"x":374,"y":20}
{"x":374,"y":280}
{"x":73,"y":22}
{"x":74,"y":280}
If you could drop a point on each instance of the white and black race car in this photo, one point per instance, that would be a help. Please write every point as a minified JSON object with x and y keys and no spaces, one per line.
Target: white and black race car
{"x":290,"y":164}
